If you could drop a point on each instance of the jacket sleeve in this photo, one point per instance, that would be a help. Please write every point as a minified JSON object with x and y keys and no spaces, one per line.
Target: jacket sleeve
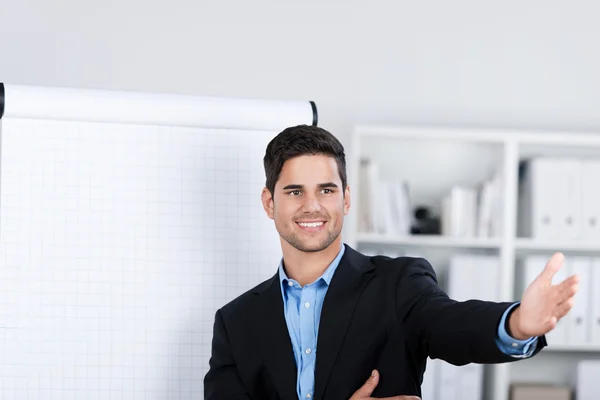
{"x":456,"y":332}
{"x":222,"y":381}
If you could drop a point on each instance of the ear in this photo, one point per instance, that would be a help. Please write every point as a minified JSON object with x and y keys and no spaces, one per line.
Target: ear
{"x":267,"y":202}
{"x":347,"y":200}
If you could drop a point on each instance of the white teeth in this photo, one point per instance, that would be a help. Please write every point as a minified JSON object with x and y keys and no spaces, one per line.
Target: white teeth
{"x":310,"y":224}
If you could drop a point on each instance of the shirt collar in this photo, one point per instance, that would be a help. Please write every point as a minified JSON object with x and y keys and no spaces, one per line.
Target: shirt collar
{"x":327,"y":275}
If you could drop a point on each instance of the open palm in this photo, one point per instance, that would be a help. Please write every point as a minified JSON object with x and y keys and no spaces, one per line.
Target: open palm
{"x":544,"y":304}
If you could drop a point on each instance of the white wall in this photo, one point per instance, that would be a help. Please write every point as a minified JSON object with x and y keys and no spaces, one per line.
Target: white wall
{"x":511,"y":64}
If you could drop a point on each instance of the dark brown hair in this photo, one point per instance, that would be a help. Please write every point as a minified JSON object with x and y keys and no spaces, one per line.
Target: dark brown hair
{"x":298,"y":141}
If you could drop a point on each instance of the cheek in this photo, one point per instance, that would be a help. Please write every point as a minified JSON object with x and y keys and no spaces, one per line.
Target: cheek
{"x":335,"y":206}
{"x":283,"y":211}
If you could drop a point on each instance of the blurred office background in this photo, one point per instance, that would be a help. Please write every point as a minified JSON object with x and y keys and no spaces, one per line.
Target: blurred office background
{"x":472,"y":127}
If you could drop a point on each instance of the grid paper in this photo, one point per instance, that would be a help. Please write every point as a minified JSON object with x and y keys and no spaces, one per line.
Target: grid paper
{"x":117,"y":245}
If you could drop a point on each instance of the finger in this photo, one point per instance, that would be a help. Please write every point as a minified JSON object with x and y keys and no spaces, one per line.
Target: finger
{"x":368,"y":387}
{"x":563,"y":308}
{"x":567,"y":289}
{"x":551,"y":323}
{"x":571,"y":280}
{"x":553,"y":265}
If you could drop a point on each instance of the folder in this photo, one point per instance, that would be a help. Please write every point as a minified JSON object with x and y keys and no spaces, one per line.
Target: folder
{"x":595,"y":301}
{"x":588,"y":384}
{"x":591,"y":200}
{"x":470,"y":276}
{"x":459,"y":212}
{"x":400,"y":207}
{"x":569,"y":197}
{"x":448,"y":382}
{"x":578,"y":318}
{"x":550,"y":198}
{"x":430,"y":385}
{"x":560,"y":334}
{"x":461,"y":277}
{"x":385,"y":217}
{"x":369,"y":198}
{"x":536,"y":215}
{"x":487,"y":277}
{"x":461,"y":287}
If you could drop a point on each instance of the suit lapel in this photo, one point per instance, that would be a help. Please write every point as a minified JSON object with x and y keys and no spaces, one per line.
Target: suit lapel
{"x":351,"y":276}
{"x":274,"y":337}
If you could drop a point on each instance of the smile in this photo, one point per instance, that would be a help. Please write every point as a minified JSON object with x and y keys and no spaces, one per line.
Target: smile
{"x":311,"y":224}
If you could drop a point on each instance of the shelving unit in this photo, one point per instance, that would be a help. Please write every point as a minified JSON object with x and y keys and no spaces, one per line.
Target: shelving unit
{"x":560,"y":348}
{"x":429,"y":241}
{"x":526,"y":245}
{"x":431,"y":160}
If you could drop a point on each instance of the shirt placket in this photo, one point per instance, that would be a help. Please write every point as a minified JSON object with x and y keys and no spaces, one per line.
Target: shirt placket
{"x":308,"y":339}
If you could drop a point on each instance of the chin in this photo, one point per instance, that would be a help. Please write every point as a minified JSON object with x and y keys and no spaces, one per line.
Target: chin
{"x":309,"y":250}
{"x":311,"y":245}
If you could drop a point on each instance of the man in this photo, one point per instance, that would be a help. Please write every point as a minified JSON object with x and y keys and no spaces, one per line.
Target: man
{"x":331,"y":317}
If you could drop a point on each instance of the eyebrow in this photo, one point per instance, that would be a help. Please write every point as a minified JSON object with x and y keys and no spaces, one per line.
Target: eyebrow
{"x":320,"y":185}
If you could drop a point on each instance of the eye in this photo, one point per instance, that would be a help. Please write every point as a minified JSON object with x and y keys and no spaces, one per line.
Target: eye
{"x":294,"y":192}
{"x":327,"y":191}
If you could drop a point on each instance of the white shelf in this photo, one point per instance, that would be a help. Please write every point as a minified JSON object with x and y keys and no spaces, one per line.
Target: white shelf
{"x":526,"y":138}
{"x":571,"y":348}
{"x":431,"y":241}
{"x":524,"y":245}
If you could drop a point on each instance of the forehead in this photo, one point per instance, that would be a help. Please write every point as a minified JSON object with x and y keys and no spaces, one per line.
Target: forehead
{"x":309,"y":169}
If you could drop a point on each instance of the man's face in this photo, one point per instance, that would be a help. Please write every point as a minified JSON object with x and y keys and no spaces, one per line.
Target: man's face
{"x":308,"y":204}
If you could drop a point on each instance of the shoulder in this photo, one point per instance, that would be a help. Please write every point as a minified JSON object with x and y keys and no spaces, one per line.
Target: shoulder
{"x":391,"y":267}
{"x":404,"y":267}
{"x":244,"y":303}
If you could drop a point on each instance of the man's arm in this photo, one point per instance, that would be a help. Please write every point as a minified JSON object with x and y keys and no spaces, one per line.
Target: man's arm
{"x":456,"y":332}
{"x":222,"y":380}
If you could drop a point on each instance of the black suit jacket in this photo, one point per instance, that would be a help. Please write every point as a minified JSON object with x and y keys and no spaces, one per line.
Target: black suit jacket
{"x":378,"y":312}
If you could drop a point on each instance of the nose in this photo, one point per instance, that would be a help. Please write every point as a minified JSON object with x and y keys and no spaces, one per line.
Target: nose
{"x":311,"y":204}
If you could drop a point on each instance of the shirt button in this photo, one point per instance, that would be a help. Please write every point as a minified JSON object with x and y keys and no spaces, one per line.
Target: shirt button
{"x":306,"y":305}
{"x":514,"y":345}
{"x":308,"y":351}
{"x":290,"y":283}
{"x":308,"y":396}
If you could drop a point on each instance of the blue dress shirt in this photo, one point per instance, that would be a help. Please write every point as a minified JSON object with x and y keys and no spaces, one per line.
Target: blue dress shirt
{"x":302,"y":308}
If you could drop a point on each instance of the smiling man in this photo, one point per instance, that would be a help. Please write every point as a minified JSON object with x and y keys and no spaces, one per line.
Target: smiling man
{"x":335,"y":324}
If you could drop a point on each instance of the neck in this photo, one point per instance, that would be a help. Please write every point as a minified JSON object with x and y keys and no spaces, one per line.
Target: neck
{"x":305,"y":267}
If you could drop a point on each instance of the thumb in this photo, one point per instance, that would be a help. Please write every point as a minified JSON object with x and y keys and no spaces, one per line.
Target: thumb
{"x":368,"y":387}
{"x":554,"y":264}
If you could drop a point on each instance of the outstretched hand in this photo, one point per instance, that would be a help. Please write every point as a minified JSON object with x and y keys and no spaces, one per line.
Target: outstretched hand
{"x":364,"y":393}
{"x":544,"y":304}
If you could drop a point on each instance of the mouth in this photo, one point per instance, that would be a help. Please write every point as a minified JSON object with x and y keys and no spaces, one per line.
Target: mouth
{"x":311,"y":226}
